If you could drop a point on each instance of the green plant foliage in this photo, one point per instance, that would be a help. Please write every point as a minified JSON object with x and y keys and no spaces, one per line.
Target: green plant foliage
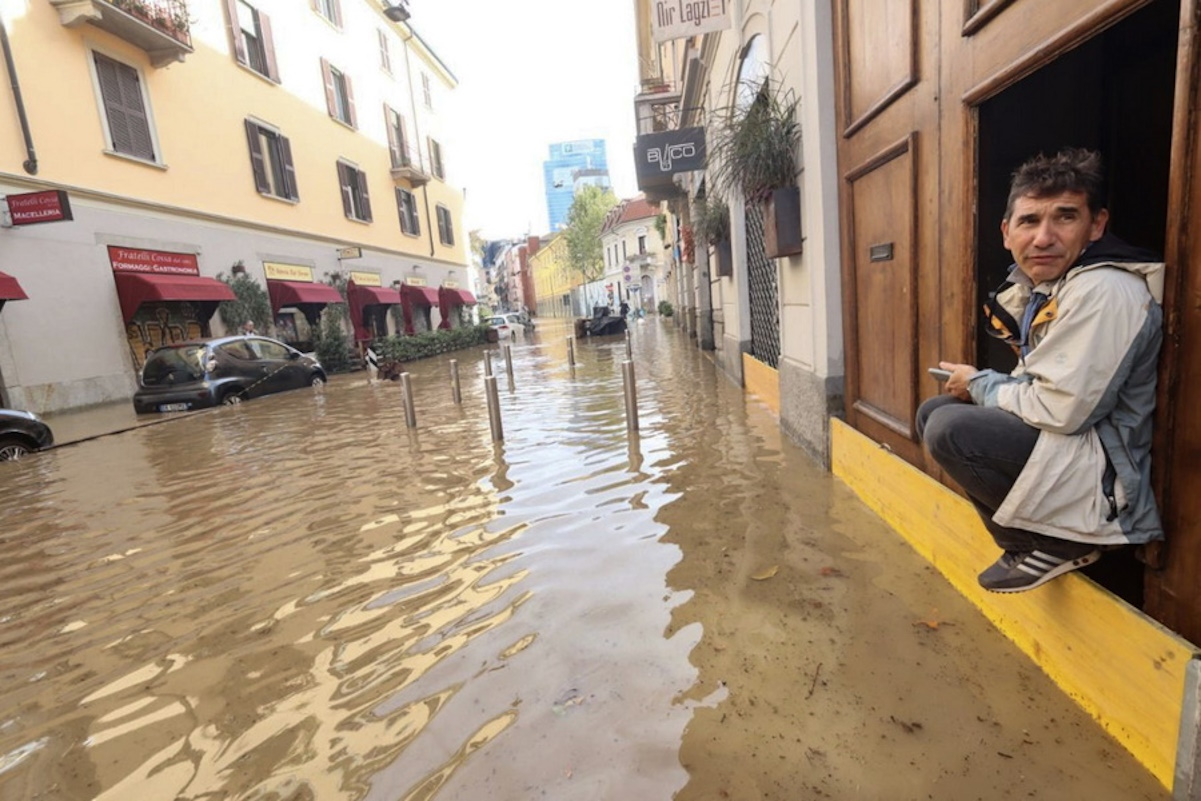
{"x":331,"y":342}
{"x":666,"y":309}
{"x":252,"y":303}
{"x":432,"y":343}
{"x":583,"y":232}
{"x":753,"y":149}
{"x":711,"y":219}
{"x":661,"y":226}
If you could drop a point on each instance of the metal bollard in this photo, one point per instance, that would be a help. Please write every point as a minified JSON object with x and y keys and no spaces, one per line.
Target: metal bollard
{"x":629,"y":348}
{"x":571,"y":351}
{"x":455,"y":391}
{"x":406,"y":392}
{"x":509,"y":364}
{"x":487,"y":363}
{"x":498,"y":431}
{"x":631,"y":394}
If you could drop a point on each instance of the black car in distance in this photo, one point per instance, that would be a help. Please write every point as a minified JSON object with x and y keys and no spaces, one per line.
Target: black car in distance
{"x":227,"y":370}
{"x":22,"y":433}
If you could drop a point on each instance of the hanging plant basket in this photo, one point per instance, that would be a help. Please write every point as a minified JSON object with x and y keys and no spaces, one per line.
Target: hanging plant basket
{"x":723,"y":258}
{"x":782,"y":223}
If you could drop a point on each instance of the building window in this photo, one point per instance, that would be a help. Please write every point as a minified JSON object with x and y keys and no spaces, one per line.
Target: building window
{"x":406,"y":201}
{"x":253,"y":45}
{"x":436,"y":160}
{"x":330,"y":9}
{"x":339,"y":95}
{"x":426,"y":91}
{"x":642,"y":245}
{"x":385,"y":52}
{"x":446,"y":227}
{"x":623,"y":248}
{"x":271,"y":161}
{"x":126,"y":118}
{"x":355,"y":201}
{"x":398,"y":144}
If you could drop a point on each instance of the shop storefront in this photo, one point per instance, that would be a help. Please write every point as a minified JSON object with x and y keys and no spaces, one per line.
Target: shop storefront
{"x":417,"y":301}
{"x":369,"y":302}
{"x":297,"y":302}
{"x":454,"y":304}
{"x":163,"y":298}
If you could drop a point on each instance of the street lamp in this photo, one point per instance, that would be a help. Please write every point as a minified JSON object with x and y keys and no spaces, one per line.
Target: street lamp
{"x":398,"y":12}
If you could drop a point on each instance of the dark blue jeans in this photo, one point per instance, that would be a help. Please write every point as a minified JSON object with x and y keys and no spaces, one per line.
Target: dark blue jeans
{"x":984,"y":450}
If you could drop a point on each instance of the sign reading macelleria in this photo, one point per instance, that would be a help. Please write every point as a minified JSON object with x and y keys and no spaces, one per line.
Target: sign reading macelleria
{"x":675,"y":19}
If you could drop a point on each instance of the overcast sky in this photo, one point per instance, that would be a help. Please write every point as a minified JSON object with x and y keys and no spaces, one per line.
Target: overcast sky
{"x":530,"y":72}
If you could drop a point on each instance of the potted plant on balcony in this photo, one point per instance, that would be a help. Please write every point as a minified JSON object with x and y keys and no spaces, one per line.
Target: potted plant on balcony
{"x":711,"y":224}
{"x":753,"y":148}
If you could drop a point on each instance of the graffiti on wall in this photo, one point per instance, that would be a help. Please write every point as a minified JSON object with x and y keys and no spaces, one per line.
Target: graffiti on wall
{"x":157,"y":324}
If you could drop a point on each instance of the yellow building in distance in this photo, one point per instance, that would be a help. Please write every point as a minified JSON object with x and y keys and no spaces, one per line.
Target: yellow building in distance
{"x":200,"y":140}
{"x":554,"y":278}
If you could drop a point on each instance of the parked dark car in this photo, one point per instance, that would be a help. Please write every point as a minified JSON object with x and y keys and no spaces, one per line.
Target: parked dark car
{"x":22,"y":433}
{"x":193,"y":375}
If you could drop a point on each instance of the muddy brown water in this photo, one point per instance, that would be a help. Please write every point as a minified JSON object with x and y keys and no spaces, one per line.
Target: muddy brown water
{"x":299,"y":598}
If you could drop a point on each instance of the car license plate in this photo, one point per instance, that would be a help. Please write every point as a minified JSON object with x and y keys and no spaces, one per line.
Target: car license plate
{"x":173,"y":407}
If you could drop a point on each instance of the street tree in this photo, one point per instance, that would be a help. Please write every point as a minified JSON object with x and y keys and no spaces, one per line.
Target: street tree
{"x":583,"y":231}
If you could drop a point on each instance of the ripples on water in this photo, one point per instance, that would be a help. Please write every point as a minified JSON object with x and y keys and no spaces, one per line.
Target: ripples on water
{"x":300,"y":598}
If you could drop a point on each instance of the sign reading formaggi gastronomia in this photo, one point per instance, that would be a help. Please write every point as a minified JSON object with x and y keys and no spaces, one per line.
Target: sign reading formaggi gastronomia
{"x":675,"y":19}
{"x":136,"y":260}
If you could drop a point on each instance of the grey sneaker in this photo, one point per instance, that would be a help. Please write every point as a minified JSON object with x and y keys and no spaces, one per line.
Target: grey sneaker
{"x":1020,"y":571}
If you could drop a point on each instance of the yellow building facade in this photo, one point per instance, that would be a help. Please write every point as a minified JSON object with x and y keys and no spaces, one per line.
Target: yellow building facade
{"x":554,"y":278}
{"x":201,"y":138}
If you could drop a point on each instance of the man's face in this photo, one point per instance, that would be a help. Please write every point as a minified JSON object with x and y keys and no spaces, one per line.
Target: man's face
{"x":1047,"y":234}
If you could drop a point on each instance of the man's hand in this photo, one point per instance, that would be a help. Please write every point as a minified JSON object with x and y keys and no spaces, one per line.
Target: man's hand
{"x":961,"y":374}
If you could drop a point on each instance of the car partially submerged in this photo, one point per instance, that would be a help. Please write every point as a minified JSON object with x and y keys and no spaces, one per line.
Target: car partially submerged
{"x":227,"y":370}
{"x":22,"y":433}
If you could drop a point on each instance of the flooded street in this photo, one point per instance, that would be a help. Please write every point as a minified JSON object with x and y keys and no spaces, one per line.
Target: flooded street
{"x":299,"y":598}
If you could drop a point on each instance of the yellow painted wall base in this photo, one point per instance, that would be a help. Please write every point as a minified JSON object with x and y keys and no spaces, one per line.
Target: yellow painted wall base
{"x":763,"y":381}
{"x":1121,"y":666}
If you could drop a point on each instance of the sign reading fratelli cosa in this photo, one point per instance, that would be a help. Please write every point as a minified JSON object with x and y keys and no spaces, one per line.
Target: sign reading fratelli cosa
{"x":161,"y":262}
{"x":658,"y":156}
{"x":39,"y":207}
{"x":675,"y":19}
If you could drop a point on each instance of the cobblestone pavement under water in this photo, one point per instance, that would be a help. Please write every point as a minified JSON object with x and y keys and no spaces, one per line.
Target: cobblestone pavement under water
{"x":299,"y":598}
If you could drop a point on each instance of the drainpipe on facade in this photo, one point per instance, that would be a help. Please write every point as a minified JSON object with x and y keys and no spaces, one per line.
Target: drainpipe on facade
{"x":31,"y":163}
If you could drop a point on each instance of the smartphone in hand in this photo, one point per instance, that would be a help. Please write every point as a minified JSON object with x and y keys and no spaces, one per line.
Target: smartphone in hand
{"x":939,"y":373}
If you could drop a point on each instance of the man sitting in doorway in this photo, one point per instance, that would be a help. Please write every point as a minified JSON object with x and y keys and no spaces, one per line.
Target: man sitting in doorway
{"x":1056,"y":456}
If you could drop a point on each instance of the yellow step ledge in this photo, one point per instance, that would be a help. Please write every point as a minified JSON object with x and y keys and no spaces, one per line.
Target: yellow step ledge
{"x":1122,"y":667}
{"x":763,"y":381}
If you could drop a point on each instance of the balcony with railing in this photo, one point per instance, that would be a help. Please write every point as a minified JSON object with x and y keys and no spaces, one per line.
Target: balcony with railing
{"x":159,"y":27}
{"x":408,"y":167}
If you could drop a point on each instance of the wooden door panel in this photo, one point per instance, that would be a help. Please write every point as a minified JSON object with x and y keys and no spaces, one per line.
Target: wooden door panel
{"x":879,"y":45}
{"x":882,"y":242}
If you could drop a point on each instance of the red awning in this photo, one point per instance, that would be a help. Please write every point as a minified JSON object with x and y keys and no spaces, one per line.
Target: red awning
{"x":134,"y":289}
{"x":373,"y":295}
{"x":10,"y":289}
{"x":296,"y":293}
{"x":419,"y":295}
{"x":458,"y":297}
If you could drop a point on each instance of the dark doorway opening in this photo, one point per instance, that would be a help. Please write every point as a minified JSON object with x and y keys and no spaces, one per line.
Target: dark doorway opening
{"x":1113,"y":94}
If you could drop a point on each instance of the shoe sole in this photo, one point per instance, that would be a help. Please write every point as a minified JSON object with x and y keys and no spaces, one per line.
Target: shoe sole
{"x":1055,"y":572}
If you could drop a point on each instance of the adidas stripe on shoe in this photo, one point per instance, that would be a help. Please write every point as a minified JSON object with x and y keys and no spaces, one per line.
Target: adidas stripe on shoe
{"x":1021,"y":571}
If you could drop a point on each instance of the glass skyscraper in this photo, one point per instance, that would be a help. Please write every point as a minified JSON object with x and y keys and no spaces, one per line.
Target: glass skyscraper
{"x":572,"y":165}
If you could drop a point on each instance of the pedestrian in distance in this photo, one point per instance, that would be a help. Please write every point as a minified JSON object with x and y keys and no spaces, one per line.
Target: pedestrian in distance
{"x":248,"y":328}
{"x":1056,"y":455}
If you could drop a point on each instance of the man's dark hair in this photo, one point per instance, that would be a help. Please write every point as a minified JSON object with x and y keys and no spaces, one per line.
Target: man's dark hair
{"x":1071,"y":170}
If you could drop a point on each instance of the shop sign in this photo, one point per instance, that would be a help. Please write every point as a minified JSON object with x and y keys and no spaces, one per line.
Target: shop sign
{"x":676,"y":19}
{"x":659,"y":156}
{"x":451,"y":284}
{"x":39,"y":207}
{"x":350,"y":253}
{"x":135,"y":260}
{"x":365,"y":279}
{"x":414,"y":280}
{"x":277,"y":271}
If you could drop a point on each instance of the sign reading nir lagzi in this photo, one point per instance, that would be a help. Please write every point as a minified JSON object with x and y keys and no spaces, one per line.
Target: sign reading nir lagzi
{"x":675,"y":19}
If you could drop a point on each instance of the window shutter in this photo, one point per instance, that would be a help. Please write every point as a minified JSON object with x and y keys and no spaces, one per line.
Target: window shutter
{"x":258,"y":163}
{"x":385,"y":56}
{"x":338,"y":12}
{"x":285,"y":151}
{"x":141,"y":143}
{"x":110,"y":91}
{"x":441,"y":225}
{"x":391,"y":123}
{"x":268,"y":47}
{"x":354,"y":123}
{"x":235,"y":32}
{"x":400,"y":208}
{"x":328,"y":76}
{"x":405,"y":155}
{"x":450,"y":227}
{"x":362,"y":181}
{"x":344,"y":182}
